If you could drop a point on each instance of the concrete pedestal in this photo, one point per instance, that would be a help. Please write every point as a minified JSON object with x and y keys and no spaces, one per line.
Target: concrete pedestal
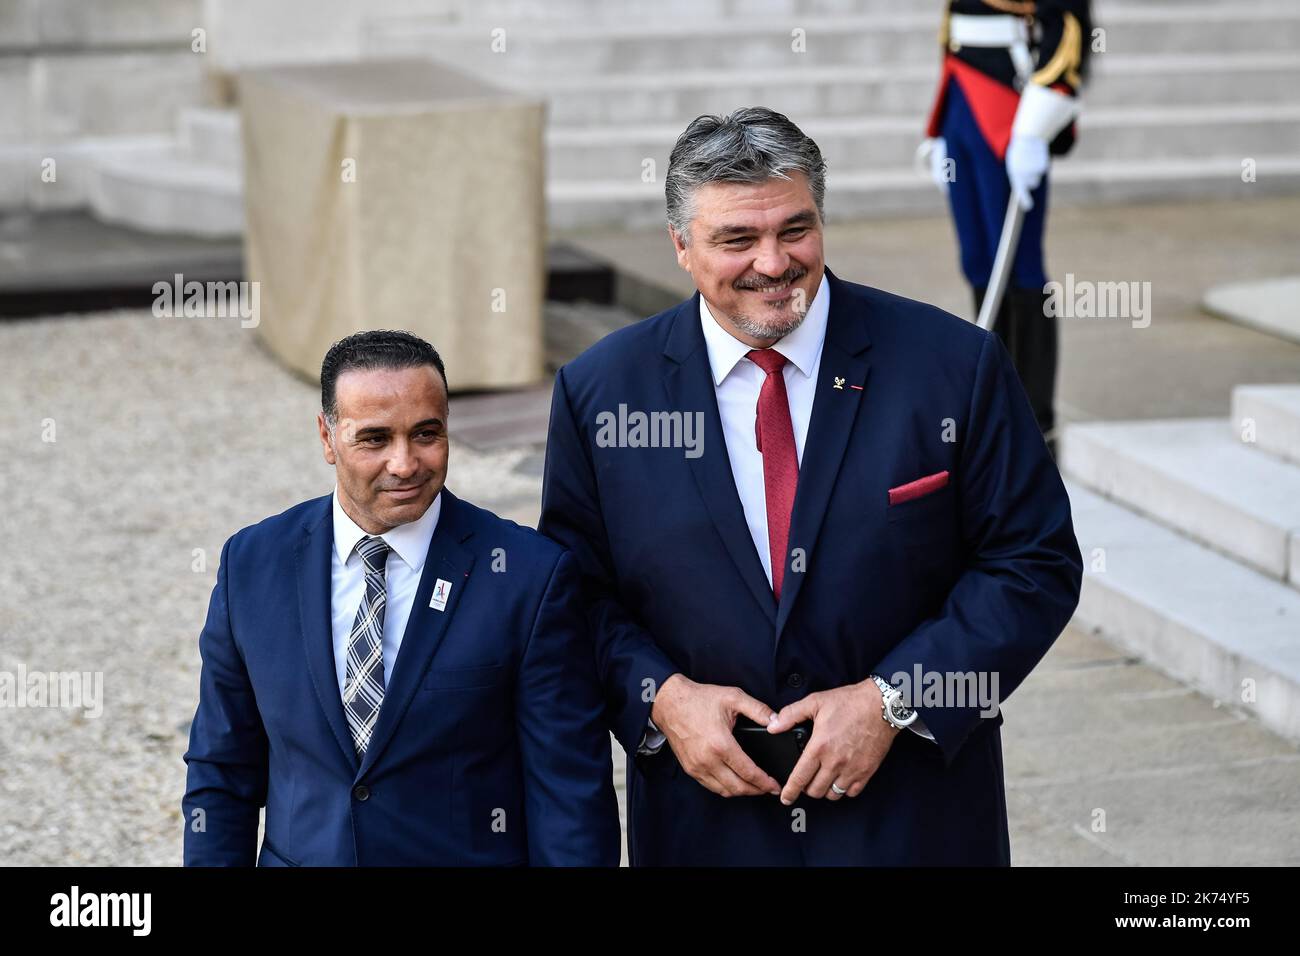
{"x":396,"y":194}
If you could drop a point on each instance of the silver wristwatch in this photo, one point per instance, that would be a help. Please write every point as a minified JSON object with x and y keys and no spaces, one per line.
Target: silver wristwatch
{"x":894,"y":711}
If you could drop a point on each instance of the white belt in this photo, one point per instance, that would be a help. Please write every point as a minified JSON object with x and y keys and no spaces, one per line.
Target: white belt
{"x":987,"y":31}
{"x":1007,"y":32}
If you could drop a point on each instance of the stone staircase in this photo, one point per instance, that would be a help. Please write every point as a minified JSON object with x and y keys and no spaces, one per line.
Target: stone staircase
{"x":191,"y":183}
{"x":1185,"y":92}
{"x":1190,"y":534}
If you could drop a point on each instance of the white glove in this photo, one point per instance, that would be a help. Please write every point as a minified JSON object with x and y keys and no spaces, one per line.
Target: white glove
{"x":1041,"y":114}
{"x":934,"y":153}
{"x":1027,"y":161}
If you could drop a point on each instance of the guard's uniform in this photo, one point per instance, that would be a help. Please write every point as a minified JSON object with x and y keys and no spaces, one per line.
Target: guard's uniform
{"x":1010,"y":68}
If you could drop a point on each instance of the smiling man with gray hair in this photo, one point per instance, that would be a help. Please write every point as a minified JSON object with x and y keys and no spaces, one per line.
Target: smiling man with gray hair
{"x":872,"y":501}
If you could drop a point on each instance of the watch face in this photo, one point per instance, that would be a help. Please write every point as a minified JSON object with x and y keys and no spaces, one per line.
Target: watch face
{"x":900,"y":710}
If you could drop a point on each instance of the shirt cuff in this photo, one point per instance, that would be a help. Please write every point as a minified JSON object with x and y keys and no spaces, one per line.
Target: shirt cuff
{"x":652,"y":740}
{"x":918,"y":727}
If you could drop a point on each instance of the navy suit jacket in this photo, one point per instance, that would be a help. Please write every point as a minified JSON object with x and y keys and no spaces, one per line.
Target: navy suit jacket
{"x":489,"y":747}
{"x":980,"y":575}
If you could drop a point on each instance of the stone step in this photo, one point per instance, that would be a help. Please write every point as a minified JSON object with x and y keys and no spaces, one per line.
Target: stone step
{"x":1266,"y":305}
{"x":1201,"y":617}
{"x":165,"y":191}
{"x":205,"y":137}
{"x":1110,"y":133}
{"x":895,"y":191}
{"x":595,"y":175}
{"x":866,"y":114}
{"x":620,"y":11}
{"x":211,"y":137}
{"x":1197,"y":477}
{"x":105,"y":24}
{"x":863,"y":142}
{"x":578,"y":12}
{"x":665,"y":45}
{"x":818,"y":90}
{"x":1273,"y":412}
{"x":21,"y":182}
{"x":53,"y":98}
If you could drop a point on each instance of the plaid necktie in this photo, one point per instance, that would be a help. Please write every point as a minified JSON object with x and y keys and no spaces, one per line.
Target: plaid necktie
{"x":363,"y":683}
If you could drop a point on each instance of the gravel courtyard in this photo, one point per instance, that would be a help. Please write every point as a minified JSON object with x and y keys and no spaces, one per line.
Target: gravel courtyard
{"x":134,"y":446}
{"x":169,"y":435}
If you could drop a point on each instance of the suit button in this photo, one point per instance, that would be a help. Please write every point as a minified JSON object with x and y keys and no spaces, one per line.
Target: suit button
{"x":361,"y":792}
{"x":794,"y":680}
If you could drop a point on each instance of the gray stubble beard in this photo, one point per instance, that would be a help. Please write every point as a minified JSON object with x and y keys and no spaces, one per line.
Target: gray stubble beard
{"x":756,"y":329}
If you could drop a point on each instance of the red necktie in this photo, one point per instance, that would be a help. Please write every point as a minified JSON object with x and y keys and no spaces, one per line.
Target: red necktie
{"x":775,"y":436}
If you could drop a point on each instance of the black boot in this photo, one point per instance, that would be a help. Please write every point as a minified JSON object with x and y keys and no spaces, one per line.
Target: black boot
{"x":1035,"y":334}
{"x":1003,"y":323}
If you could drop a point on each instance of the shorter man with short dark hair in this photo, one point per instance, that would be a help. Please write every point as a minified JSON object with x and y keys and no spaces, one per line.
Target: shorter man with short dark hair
{"x":399,"y":677}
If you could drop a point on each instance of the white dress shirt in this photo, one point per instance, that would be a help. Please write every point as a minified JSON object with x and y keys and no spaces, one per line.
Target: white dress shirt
{"x":737,"y":382}
{"x":410,"y":545}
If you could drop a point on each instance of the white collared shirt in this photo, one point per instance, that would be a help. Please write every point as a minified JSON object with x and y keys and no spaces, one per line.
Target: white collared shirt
{"x":737,"y":382}
{"x":410,"y":545}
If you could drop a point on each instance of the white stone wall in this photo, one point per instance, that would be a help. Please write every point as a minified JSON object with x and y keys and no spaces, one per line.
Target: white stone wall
{"x":74,"y":74}
{"x":244,"y":33}
{"x":82,"y":79}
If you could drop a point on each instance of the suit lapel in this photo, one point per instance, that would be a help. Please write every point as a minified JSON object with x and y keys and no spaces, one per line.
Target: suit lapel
{"x":315,"y":572}
{"x":689,"y":383}
{"x":830,"y":427}
{"x":449,"y":560}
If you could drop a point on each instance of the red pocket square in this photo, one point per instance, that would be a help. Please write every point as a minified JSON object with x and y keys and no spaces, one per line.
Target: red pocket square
{"x":915,"y":489}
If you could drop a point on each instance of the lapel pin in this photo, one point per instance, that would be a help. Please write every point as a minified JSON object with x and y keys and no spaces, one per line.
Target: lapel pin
{"x":441,"y":591}
{"x":839,"y":383}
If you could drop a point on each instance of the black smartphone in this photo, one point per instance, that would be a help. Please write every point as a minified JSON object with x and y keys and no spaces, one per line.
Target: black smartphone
{"x":775,"y":754}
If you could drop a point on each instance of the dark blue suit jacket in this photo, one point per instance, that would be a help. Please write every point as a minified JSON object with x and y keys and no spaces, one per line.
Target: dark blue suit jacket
{"x":489,"y":748}
{"x":981,"y":575}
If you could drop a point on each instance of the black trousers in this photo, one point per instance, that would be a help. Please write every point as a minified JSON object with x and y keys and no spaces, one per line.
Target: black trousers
{"x":1030,"y":336}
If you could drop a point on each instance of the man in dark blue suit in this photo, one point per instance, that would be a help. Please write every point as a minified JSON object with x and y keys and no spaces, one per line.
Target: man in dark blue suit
{"x":399,"y":677}
{"x":796,"y":499}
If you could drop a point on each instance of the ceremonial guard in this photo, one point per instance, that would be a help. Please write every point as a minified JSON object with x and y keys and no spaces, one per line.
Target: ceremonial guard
{"x":1007,"y":100}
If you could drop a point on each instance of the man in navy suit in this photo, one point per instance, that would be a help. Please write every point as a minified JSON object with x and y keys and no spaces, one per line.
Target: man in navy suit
{"x":797,"y":499}
{"x":399,"y":677}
